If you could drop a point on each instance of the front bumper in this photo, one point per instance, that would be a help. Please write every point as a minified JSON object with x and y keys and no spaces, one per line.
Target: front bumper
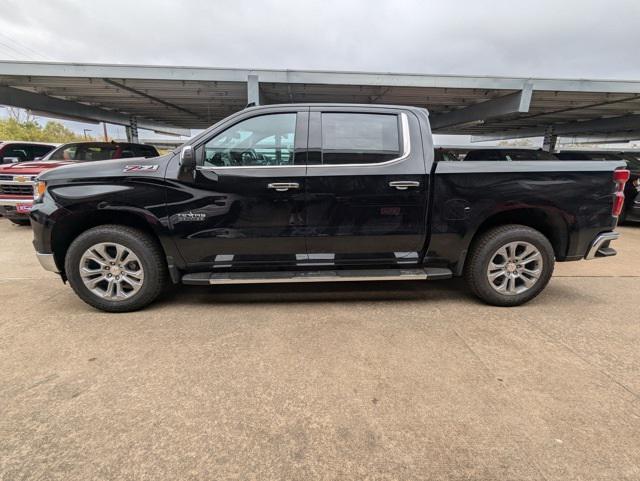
{"x":15,"y":206}
{"x":600,"y":246}
{"x":15,"y":200}
{"x":48,"y":262}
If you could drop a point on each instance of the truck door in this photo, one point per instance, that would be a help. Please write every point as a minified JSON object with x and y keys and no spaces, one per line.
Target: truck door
{"x":367,"y":187}
{"x":245,"y":203}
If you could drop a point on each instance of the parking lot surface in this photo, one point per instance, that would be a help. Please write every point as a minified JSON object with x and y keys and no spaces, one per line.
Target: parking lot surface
{"x":399,"y":380}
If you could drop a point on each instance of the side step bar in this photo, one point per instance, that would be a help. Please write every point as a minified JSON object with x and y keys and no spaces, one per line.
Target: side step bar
{"x":208,"y":278}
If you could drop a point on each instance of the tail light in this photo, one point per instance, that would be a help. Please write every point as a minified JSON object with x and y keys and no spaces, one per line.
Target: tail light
{"x":620,"y":177}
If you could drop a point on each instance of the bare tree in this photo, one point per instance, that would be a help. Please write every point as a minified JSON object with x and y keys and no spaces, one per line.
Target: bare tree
{"x":20,"y":115}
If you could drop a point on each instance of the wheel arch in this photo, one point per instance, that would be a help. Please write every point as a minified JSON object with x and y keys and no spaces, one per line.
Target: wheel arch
{"x":67,"y":229}
{"x":549,"y":222}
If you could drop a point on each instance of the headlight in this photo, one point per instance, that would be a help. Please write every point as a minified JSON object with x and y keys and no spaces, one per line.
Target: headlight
{"x":39,"y":189}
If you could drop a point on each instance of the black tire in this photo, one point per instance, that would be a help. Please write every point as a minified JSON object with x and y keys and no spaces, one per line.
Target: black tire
{"x":145,"y":247}
{"x":486,"y":246}
{"x":22,"y":222}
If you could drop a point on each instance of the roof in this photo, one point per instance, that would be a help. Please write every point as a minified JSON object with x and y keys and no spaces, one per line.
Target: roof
{"x":196,"y":97}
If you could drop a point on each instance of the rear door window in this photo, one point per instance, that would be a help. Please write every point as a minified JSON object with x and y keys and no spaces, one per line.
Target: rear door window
{"x":354,"y":138}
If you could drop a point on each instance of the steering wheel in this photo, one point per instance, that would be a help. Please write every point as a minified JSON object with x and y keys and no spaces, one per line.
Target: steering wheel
{"x":249,"y":155}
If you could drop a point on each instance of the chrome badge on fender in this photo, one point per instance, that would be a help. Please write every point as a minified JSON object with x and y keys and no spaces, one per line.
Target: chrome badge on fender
{"x":190,"y":216}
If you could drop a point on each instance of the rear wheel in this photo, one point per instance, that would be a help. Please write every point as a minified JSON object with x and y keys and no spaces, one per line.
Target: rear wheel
{"x":509,"y":265}
{"x":116,"y":268}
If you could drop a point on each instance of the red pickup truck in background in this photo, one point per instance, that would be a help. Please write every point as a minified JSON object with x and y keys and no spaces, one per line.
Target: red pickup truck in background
{"x":17,"y":179}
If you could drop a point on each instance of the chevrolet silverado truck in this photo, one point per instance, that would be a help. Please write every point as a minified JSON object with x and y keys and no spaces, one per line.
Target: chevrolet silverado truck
{"x":320,"y":193}
{"x":17,"y":179}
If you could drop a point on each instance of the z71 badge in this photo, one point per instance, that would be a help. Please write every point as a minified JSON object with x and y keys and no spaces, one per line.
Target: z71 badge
{"x":140,"y":168}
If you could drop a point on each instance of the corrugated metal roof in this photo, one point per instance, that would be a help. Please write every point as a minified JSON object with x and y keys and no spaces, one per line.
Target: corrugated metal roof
{"x":192,"y":97}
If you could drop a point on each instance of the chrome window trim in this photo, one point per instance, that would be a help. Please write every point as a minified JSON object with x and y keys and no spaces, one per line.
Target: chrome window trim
{"x":406,"y":148}
{"x":406,"y":152}
{"x":229,"y":167}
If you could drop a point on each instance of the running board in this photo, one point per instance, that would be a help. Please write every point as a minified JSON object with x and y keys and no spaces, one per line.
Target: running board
{"x":207,"y":278}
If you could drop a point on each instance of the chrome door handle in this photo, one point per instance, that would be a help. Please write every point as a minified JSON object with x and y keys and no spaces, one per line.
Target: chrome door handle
{"x":404,"y":184}
{"x":283,"y":186}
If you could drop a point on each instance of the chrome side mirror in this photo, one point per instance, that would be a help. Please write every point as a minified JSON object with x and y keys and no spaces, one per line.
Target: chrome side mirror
{"x":187,"y":157}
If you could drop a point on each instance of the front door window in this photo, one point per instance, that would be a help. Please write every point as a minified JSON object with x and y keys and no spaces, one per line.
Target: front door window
{"x":263,"y":141}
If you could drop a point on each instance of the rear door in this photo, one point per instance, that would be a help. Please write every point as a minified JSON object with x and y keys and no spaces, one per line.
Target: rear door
{"x":367,"y":187}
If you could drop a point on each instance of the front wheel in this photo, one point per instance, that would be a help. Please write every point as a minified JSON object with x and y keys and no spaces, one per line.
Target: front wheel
{"x":116,"y":268}
{"x":509,"y":265}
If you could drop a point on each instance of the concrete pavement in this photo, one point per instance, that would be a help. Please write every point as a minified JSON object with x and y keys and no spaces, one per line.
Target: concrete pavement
{"x":344,"y":381}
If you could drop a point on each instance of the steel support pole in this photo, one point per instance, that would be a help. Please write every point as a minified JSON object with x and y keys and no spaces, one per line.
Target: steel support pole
{"x":550,"y":139}
{"x":253,"y":90}
{"x":132,"y":130}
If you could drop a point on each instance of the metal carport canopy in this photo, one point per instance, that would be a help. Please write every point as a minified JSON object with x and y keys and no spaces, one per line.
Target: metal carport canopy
{"x":164,"y":98}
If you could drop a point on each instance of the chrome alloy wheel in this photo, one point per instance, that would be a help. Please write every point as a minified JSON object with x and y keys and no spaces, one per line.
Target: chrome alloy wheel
{"x":515,"y":268}
{"x":111,"y":271}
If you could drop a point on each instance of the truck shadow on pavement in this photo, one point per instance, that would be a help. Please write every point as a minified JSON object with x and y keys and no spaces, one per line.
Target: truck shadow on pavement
{"x":445,"y":291}
{"x":448,"y":290}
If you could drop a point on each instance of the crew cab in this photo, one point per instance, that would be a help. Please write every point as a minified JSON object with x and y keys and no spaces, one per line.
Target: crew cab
{"x":17,"y":179}
{"x":631,"y":207}
{"x":320,"y":193}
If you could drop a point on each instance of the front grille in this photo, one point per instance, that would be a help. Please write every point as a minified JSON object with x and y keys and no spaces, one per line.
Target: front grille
{"x":6,"y":177}
{"x":11,"y":189}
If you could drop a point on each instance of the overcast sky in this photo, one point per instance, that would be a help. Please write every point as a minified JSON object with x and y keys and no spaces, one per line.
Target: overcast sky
{"x":557,"y":38}
{"x":528,"y":38}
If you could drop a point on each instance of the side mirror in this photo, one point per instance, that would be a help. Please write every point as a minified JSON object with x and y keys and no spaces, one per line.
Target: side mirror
{"x":187,"y":157}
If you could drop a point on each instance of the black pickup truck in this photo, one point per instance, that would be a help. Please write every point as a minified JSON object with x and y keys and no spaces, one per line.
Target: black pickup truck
{"x":316,"y":193}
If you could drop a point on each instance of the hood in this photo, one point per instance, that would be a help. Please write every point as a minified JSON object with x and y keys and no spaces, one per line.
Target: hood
{"x":31,"y":168}
{"x":136,"y":166}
